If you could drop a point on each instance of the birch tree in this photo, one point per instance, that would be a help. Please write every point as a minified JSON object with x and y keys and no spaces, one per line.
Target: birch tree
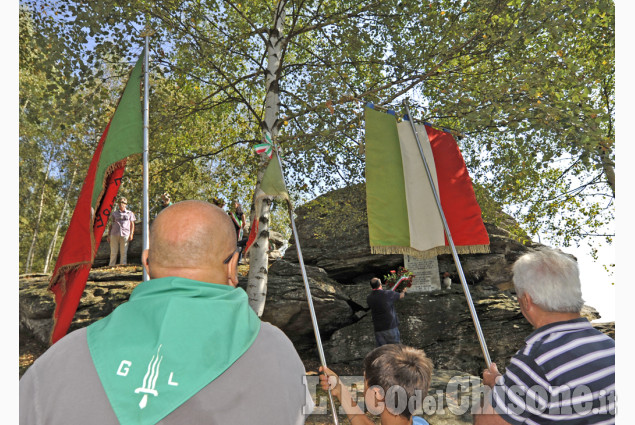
{"x":519,"y":79}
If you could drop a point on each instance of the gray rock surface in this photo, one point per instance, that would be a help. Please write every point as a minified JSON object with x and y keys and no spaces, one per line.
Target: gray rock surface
{"x":104,"y":291}
{"x":333,"y":230}
{"x":287,"y":306}
{"x":440,"y":323}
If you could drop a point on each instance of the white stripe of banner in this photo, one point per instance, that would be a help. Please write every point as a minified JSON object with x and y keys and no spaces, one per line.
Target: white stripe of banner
{"x":426,"y":227}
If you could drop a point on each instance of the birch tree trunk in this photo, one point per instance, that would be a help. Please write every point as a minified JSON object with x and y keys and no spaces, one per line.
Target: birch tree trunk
{"x":51,"y":249}
{"x":258,"y":259}
{"x":36,"y":228}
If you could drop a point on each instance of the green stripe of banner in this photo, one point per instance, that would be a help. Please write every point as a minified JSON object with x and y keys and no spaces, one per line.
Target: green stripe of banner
{"x":385,"y":189}
{"x":125,"y":135}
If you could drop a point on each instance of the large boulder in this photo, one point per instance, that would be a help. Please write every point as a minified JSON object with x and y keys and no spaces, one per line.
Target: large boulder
{"x":104,"y":291}
{"x":333,"y":230}
{"x":287,"y":306}
{"x":440,"y":322}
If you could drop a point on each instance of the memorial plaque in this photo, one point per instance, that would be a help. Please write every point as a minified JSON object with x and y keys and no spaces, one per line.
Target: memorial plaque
{"x":426,"y":273}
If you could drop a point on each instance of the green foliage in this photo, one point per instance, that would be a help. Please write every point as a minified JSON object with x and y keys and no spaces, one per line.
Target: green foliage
{"x":530,"y":84}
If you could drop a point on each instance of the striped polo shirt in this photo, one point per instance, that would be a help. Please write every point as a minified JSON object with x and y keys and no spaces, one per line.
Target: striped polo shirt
{"x":565,"y":374}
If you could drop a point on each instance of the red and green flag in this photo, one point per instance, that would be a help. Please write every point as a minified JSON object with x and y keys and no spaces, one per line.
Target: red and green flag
{"x":122,"y":137}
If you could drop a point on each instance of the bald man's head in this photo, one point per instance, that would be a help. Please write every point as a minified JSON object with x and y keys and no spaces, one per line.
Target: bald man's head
{"x":190,"y":236}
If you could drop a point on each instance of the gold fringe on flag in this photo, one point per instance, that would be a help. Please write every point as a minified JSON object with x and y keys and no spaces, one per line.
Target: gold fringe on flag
{"x":430,"y":253}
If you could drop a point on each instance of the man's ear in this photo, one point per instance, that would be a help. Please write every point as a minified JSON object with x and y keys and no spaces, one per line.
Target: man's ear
{"x":526,"y":302}
{"x":232,"y":270}
{"x":145,"y":262}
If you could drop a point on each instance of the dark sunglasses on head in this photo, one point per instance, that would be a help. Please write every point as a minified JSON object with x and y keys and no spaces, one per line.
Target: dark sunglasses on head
{"x":228,"y":259}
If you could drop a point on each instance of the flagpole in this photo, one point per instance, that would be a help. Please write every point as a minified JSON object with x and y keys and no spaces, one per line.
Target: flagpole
{"x":466,"y":290}
{"x":316,"y":330}
{"x":146,"y":125}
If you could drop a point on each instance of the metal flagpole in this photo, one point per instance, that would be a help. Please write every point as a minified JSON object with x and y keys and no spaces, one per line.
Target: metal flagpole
{"x":146,"y":122}
{"x":466,"y":290}
{"x":316,"y":330}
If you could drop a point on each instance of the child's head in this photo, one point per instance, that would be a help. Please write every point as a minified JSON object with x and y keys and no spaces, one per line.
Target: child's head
{"x":398,"y":366}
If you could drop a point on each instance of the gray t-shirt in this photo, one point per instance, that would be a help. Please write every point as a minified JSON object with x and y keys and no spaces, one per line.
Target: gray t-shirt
{"x":121,"y":222}
{"x":266,"y":385}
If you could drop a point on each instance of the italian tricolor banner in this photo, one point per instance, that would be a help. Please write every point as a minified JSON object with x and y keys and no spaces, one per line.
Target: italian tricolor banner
{"x":122,"y":137}
{"x":403,"y":217}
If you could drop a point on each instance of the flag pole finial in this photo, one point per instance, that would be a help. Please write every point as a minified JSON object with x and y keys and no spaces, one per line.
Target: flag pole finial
{"x":147,"y":32}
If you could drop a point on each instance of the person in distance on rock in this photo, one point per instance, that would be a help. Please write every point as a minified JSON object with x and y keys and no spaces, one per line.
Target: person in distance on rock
{"x":238,"y":219}
{"x":565,"y":373}
{"x":185,"y":349}
{"x":391,"y":372}
{"x":382,"y":307}
{"x":120,"y":232}
{"x":166,"y":200}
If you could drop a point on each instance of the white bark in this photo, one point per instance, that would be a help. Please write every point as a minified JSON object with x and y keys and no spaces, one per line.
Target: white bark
{"x":49,"y":254}
{"x":258,"y":259}
{"x":36,"y":227}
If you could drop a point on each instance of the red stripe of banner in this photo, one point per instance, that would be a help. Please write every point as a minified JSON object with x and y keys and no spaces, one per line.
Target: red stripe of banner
{"x":458,"y":200}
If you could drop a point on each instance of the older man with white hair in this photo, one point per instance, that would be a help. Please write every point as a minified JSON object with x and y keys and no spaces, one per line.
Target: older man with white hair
{"x":565,"y":373}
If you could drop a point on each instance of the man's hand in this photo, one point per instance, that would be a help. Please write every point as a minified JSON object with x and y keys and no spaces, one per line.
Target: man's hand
{"x":130,"y":237}
{"x":330,"y":380}
{"x":491,"y":375}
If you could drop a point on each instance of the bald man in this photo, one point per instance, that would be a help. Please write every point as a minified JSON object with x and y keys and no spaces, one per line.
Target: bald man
{"x":185,"y":349}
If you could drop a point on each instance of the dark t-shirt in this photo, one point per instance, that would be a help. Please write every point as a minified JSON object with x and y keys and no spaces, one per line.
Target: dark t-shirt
{"x":382,"y":307}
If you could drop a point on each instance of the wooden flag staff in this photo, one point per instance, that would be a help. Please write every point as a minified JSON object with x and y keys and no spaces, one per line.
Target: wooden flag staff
{"x":466,"y":290}
{"x":316,"y":330}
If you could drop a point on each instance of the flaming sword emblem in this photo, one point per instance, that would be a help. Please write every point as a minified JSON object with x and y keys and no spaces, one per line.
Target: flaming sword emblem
{"x":150,"y":379}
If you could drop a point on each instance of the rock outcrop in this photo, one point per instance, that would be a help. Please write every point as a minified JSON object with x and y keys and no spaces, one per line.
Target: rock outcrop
{"x":287,"y":306}
{"x":334,"y":234}
{"x":105,"y":290}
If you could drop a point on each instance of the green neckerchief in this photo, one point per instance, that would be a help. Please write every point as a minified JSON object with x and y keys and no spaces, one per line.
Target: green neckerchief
{"x":172,"y":338}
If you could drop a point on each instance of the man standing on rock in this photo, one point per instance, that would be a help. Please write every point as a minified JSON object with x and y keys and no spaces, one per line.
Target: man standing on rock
{"x":382,"y":307}
{"x":186,"y":348}
{"x":565,"y":373}
{"x":120,"y":232}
